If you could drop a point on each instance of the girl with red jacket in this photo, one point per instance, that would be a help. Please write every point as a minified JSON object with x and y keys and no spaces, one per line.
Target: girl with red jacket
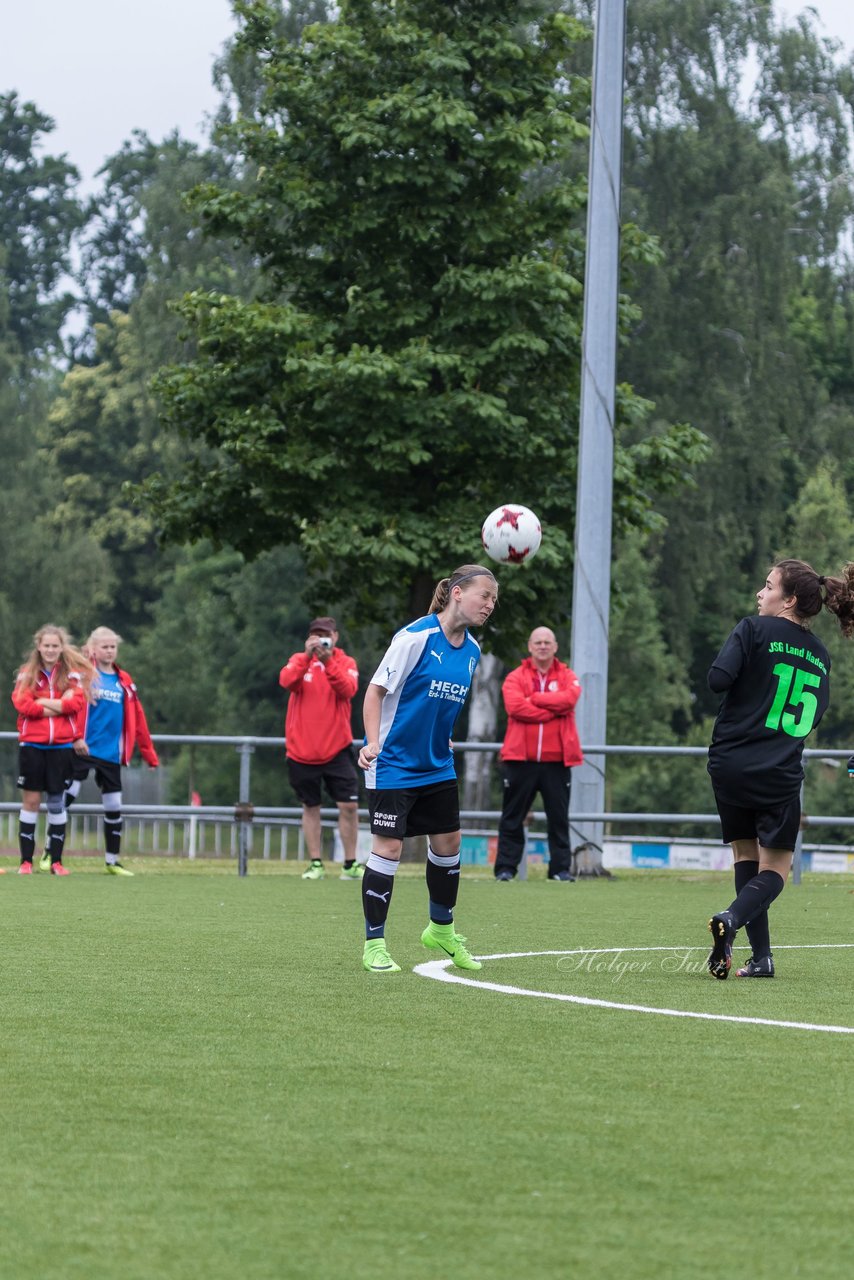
{"x":50,"y":696}
{"x":112,"y":727}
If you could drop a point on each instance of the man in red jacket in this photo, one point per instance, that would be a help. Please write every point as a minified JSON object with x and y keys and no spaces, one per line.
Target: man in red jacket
{"x":540,"y":746}
{"x":322,"y":681}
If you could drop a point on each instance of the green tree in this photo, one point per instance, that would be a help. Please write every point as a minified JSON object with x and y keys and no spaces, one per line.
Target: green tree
{"x":140,"y":251}
{"x":46,"y":575}
{"x":143,"y":249}
{"x":39,"y":213}
{"x":209,"y":661}
{"x":649,"y":695}
{"x":413,"y":359}
{"x":102,"y":433}
{"x":821,"y":530}
{"x":743,"y":326}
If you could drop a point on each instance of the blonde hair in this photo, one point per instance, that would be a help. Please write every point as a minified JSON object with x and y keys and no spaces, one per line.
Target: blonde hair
{"x":102,"y":633}
{"x":443,"y":589}
{"x":71,"y":661}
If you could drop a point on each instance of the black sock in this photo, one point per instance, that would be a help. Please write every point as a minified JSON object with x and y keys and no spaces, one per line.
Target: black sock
{"x":55,"y":840}
{"x":443,"y":883}
{"x":348,"y":862}
{"x":27,"y":840}
{"x":756,"y":896}
{"x":376,"y":899}
{"x":113,"y":832}
{"x":756,"y":929}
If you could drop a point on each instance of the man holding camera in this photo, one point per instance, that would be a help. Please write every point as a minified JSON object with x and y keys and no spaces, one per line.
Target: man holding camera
{"x":322,"y":681}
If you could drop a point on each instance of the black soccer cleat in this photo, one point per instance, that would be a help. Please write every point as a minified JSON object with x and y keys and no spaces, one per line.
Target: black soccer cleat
{"x":723,"y":933}
{"x":763,"y":968}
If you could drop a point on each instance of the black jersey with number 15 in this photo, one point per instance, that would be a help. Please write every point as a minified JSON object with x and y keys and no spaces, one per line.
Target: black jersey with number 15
{"x":778,"y":690}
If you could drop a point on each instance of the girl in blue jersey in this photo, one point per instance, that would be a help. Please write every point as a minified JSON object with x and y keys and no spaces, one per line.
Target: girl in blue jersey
{"x":410,"y":709}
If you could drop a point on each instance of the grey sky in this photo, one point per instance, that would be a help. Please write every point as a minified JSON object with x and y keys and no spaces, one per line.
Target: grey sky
{"x":104,"y":67}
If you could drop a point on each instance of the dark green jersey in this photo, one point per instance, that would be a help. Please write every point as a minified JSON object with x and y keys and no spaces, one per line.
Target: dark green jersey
{"x":776,"y":678}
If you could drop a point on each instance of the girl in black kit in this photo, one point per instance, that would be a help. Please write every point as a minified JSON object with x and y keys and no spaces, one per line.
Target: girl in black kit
{"x":774,"y":677}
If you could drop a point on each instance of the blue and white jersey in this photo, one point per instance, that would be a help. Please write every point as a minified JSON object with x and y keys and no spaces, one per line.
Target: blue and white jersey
{"x":106,"y":718}
{"x":427,"y":680}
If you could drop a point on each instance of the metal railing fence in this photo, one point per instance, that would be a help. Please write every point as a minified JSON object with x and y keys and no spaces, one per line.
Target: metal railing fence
{"x":281,"y":820}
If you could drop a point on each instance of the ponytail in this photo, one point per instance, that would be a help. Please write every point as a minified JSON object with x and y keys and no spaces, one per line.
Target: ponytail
{"x":839,"y":599}
{"x":813,"y":590}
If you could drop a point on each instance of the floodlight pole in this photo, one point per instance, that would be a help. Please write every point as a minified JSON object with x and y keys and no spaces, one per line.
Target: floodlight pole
{"x":592,"y":567}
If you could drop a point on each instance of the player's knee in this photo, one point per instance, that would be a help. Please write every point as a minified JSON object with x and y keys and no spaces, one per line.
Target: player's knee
{"x":56,"y":804}
{"x":112,"y":801}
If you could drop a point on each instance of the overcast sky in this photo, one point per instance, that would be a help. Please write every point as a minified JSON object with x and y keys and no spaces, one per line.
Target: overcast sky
{"x":101,"y":68}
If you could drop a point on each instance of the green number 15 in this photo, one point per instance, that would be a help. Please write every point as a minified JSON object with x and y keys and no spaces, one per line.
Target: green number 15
{"x":793,"y":691}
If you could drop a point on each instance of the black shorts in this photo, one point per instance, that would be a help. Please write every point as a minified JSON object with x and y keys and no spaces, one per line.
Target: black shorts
{"x":338,"y":774}
{"x":45,"y":769}
{"x":108,"y":773}
{"x":775,"y":827}
{"x":418,"y":811}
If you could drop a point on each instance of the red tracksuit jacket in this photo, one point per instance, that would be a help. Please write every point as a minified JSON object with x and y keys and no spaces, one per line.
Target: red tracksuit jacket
{"x":41,"y":730}
{"x":540,"y":715}
{"x":317,"y":724}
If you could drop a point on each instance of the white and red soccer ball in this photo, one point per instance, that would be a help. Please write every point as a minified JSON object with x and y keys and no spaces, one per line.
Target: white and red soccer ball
{"x":511,"y":534}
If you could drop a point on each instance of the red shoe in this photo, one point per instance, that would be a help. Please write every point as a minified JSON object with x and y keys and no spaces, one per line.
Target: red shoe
{"x":57,"y":869}
{"x":25,"y":869}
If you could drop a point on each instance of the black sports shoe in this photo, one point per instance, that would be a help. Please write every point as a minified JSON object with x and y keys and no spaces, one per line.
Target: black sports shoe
{"x":723,"y":933}
{"x":563,"y":875}
{"x":504,"y":875}
{"x":763,"y":968}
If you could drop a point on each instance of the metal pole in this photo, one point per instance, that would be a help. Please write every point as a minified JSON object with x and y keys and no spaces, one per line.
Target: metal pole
{"x":245,"y":750}
{"x":799,"y":845}
{"x":591,"y":587}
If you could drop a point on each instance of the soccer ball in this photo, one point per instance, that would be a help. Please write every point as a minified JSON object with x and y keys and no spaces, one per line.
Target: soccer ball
{"x":511,"y":534}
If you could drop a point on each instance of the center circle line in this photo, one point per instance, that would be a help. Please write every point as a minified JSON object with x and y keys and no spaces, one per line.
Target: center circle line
{"x":438,"y":970}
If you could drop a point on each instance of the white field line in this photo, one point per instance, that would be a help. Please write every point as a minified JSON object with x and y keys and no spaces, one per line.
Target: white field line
{"x":438,"y":970}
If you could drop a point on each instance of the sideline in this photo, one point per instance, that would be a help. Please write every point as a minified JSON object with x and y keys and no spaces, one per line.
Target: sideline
{"x":438,"y":971}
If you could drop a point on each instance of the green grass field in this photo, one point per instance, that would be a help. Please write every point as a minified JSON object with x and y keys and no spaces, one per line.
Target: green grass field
{"x":199,"y":1080}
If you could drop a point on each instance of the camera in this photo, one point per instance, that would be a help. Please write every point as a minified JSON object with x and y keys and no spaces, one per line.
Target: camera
{"x":324,"y":642}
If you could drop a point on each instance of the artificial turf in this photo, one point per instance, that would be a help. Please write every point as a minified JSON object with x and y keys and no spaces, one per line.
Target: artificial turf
{"x":200,"y":1080}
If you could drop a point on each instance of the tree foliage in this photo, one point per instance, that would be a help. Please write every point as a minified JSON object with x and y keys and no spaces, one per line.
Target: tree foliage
{"x":45,"y":577}
{"x":413,"y":360}
{"x":39,"y":212}
{"x":736,"y":159}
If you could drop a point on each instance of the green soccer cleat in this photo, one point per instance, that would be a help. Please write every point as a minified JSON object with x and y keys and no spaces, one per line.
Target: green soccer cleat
{"x":116,"y":869}
{"x":315,"y":872}
{"x":44,"y":861}
{"x":441,"y":937}
{"x":355,"y":872}
{"x":376,"y":959}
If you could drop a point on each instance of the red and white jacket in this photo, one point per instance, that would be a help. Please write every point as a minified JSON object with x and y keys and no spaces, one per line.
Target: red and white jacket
{"x":45,"y":730}
{"x":540,"y":714}
{"x":317,"y":724}
{"x":134,"y":724}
